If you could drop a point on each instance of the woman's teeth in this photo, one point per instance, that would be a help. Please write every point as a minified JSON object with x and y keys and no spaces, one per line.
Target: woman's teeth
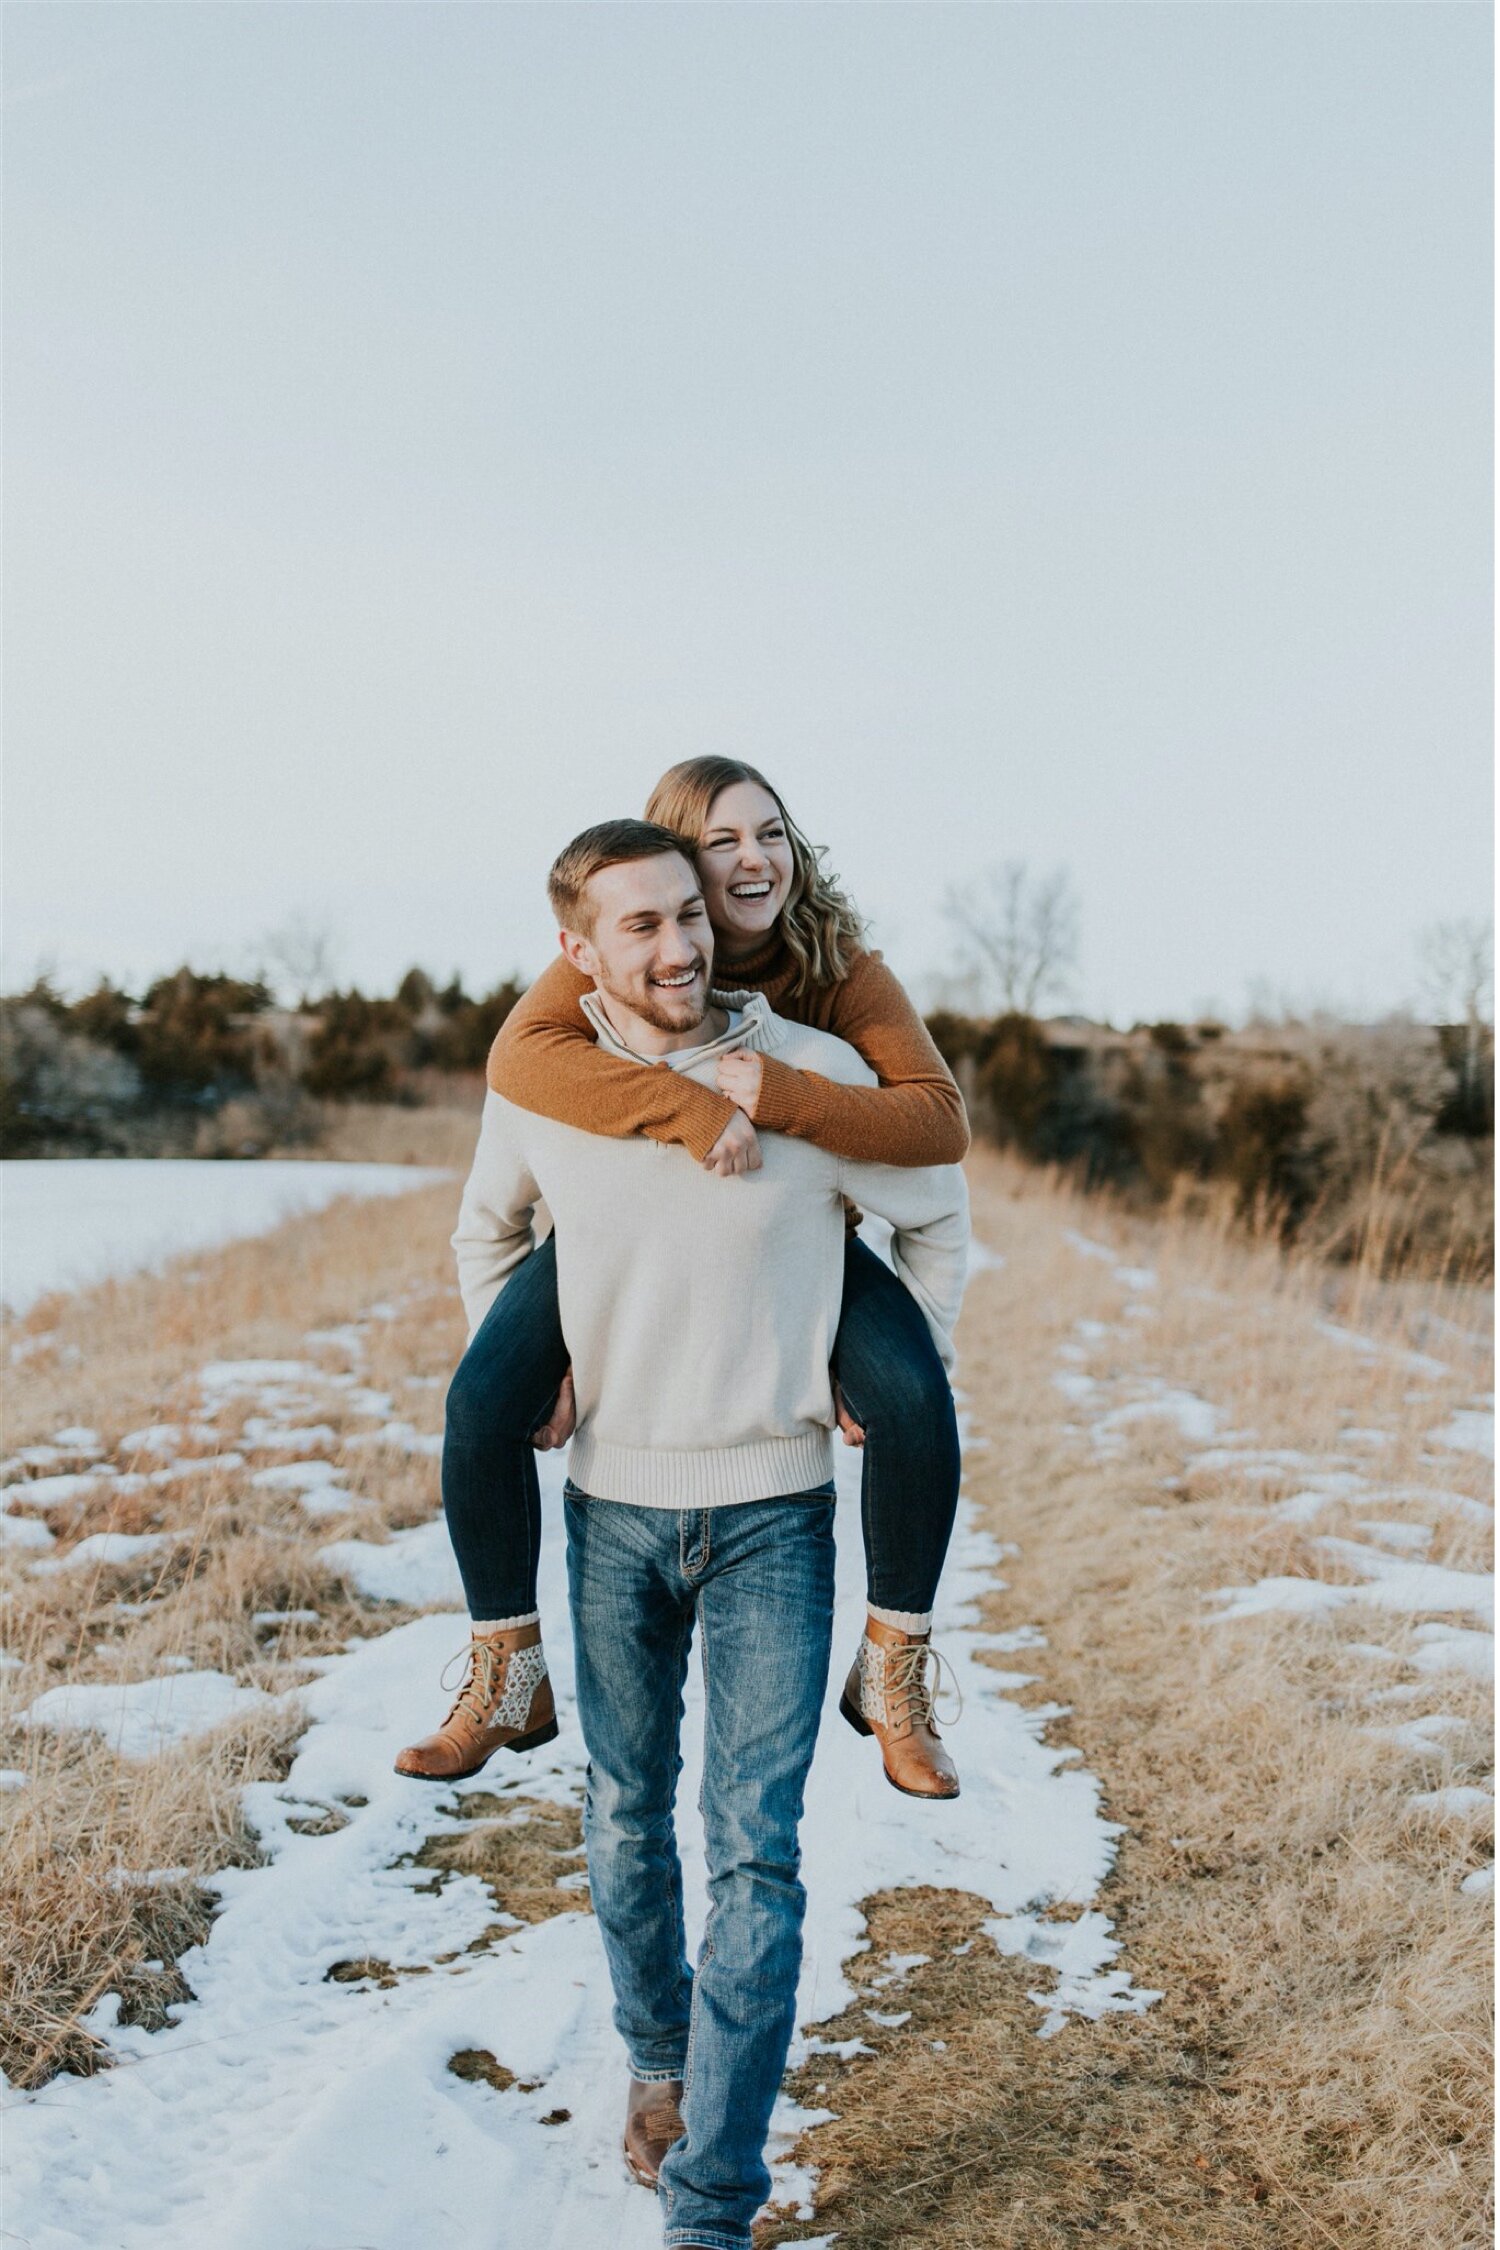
{"x":749,"y":890}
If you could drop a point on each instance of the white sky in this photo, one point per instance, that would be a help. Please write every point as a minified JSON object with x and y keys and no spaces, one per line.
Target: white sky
{"x":1059,"y":431}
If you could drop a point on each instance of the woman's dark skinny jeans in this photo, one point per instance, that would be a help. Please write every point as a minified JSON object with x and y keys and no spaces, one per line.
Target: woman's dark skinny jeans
{"x":893,"y":1382}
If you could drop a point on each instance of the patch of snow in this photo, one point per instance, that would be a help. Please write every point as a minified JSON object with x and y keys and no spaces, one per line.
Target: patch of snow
{"x":1454,"y":1648}
{"x":24,"y":1531}
{"x":53,"y":1492}
{"x":143,"y":1717}
{"x":1456,"y":1802}
{"x":1258,"y":1461}
{"x":349,"y":1338}
{"x":1195,"y":1418}
{"x":237,"y":1375}
{"x":1394,"y":1583}
{"x":1412,"y":1586}
{"x":274,"y":1437}
{"x":262,"y":1618}
{"x":398,"y":1437}
{"x":1369,"y":1348}
{"x":1406,"y":1538}
{"x":1480,"y":1882}
{"x":1426,"y":1733}
{"x":198,"y":1465}
{"x":1079,"y":1388}
{"x":156,"y":1437}
{"x":79,"y":1220}
{"x":1079,"y":1953}
{"x":11,"y":1777}
{"x":890,"y":2023}
{"x":1086,"y":1247}
{"x":1136,"y":1277}
{"x":1357,"y":1436}
{"x":413,"y":1566}
{"x":106,"y":1549}
{"x":1470,"y":1430}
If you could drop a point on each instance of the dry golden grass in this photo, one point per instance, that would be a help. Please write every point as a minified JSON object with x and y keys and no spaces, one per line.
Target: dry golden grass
{"x":1316,"y":2071}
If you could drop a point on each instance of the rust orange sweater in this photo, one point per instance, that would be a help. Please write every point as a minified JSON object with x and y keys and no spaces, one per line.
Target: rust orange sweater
{"x":545,"y":1059}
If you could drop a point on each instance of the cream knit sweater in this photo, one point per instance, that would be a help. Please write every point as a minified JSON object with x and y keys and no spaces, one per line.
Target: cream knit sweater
{"x":699,"y":1312}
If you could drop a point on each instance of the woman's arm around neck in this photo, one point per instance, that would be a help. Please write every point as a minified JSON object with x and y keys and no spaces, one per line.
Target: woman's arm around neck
{"x":546,"y":1059}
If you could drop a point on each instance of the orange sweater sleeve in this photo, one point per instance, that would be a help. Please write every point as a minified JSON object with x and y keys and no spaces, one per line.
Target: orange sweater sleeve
{"x":546,"y":1059}
{"x":914,"y":1116}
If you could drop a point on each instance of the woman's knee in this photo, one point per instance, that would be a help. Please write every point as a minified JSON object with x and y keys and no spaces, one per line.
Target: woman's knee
{"x":909,"y":1388}
{"x":491,"y":1395}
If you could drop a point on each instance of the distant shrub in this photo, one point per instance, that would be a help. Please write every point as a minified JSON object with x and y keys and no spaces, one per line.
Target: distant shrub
{"x":58,"y":1086}
{"x":360,"y":1049}
{"x":191,"y":1034}
{"x":1343,"y":1134}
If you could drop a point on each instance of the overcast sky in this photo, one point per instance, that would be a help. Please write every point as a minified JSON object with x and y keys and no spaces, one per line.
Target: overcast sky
{"x":1043,"y":431}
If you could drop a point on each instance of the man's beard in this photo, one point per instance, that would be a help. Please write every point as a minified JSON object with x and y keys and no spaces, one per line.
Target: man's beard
{"x":653,"y":1007}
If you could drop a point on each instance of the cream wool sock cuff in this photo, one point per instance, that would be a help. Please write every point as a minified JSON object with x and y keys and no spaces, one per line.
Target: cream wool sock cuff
{"x":904,"y":1620}
{"x":504,"y":1624}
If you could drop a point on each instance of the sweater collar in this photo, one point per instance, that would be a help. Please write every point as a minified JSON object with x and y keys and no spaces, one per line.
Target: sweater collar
{"x":753,"y":1023}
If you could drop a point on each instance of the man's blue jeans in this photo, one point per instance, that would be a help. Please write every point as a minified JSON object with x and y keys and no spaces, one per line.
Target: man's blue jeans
{"x":757,"y":1579}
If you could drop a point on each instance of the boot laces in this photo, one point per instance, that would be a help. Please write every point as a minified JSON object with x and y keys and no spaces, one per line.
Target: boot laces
{"x":482,"y":1681}
{"x":916,"y":1674}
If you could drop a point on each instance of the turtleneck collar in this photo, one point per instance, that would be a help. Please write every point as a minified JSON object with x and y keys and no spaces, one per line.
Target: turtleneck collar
{"x":758,"y":964}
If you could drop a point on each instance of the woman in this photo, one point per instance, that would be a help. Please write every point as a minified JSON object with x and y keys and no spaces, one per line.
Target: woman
{"x":784,"y":928}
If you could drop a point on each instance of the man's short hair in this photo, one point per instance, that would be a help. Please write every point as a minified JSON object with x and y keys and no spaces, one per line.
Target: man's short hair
{"x":605,"y":845}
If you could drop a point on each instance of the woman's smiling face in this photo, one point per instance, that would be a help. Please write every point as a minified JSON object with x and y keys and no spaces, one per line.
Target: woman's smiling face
{"x":745,"y":865}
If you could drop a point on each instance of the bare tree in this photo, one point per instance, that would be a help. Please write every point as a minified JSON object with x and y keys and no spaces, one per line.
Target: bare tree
{"x":1457,"y":961}
{"x":301,"y":958}
{"x":1018,"y":933}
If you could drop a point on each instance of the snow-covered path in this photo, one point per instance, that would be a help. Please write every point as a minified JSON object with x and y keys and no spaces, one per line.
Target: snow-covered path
{"x":284,"y":2111}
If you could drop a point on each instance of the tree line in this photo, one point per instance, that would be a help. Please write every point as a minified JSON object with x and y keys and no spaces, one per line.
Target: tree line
{"x":122,"y":1073}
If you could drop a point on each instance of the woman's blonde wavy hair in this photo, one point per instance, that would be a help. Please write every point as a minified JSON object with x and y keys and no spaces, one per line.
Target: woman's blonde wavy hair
{"x":819,"y":922}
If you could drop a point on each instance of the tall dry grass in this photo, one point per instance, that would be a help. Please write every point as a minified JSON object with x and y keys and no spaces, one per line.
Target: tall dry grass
{"x":1318,"y":2069}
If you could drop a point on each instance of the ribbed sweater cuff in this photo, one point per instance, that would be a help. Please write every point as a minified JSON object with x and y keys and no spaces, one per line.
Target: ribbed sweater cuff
{"x":707,"y":1117}
{"x":717,"y":1477}
{"x":788,"y":1099}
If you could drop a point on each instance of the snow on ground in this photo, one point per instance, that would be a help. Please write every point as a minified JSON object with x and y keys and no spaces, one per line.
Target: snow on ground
{"x":140,"y":1718}
{"x":1387,"y":1570}
{"x":74,"y":1221}
{"x":285,"y":2111}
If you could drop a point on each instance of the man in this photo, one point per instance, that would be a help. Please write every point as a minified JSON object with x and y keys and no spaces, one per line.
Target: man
{"x":700,"y":1314}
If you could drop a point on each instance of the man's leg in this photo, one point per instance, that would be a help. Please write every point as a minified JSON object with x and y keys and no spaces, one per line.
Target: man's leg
{"x":632,"y":1623}
{"x":765,"y":1610}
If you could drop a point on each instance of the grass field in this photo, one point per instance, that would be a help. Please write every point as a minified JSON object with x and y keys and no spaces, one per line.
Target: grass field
{"x":1157,"y":1412}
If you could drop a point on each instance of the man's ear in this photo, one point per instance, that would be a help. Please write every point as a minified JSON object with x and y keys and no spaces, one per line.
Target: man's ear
{"x":578,"y":950}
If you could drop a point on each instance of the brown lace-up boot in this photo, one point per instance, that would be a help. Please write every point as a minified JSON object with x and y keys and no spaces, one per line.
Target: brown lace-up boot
{"x":889,"y":1694}
{"x":505,"y":1703}
{"x":653,"y":2121}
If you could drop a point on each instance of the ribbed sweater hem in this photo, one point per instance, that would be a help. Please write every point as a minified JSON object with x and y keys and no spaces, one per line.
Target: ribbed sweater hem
{"x":717,"y":1477}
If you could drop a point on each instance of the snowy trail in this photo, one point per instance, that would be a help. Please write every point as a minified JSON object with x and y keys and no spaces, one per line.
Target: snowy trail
{"x":286,"y":2112}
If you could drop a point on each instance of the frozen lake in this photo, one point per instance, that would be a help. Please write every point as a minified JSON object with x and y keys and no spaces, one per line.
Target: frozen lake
{"x":69,"y":1222}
